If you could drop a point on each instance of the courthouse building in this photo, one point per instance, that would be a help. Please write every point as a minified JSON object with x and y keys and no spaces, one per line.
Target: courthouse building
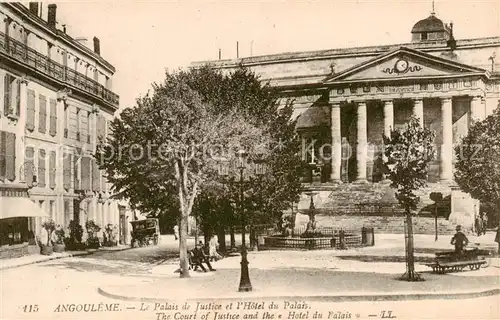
{"x":346,"y":99}
{"x":56,"y":103}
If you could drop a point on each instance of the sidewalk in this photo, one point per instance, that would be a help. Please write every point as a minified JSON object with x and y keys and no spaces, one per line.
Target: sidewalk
{"x":316,"y":275}
{"x":37,"y":258}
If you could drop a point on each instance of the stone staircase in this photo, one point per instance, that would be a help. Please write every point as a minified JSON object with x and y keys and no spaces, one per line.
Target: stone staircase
{"x":354,"y":205}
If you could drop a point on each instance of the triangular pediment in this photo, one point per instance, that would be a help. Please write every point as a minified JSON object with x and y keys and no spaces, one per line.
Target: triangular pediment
{"x":404,"y":63}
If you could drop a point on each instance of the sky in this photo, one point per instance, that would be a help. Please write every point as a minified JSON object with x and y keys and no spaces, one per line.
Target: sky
{"x":142,"y":39}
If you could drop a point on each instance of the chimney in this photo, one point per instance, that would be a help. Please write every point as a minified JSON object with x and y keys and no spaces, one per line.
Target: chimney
{"x":97,"y":46}
{"x":51,"y":15}
{"x":34,"y":8}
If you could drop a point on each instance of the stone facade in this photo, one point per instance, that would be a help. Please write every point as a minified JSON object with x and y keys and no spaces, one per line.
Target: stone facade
{"x":346,"y":99}
{"x":56,"y":102}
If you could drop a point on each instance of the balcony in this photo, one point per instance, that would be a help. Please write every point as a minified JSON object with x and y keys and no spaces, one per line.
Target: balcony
{"x":43,"y":64}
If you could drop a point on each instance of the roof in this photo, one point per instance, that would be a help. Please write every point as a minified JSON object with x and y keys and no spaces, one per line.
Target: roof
{"x":429,"y":24}
{"x":60,"y":35}
{"x":426,"y":46}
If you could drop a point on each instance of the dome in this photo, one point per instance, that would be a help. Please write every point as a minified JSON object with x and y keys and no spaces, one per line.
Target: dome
{"x":430,"y":24}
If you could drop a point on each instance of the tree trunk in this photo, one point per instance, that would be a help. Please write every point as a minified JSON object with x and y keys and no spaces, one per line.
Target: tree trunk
{"x":411,"y":259}
{"x":233,"y":239}
{"x":410,"y":274}
{"x":186,"y":202}
{"x":221,"y":235}
{"x":183,"y":232}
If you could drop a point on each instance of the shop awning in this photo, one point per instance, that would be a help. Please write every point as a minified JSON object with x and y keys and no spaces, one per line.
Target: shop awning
{"x":13,"y":207}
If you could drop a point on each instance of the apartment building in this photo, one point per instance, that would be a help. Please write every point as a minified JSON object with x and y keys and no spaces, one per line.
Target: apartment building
{"x":56,"y":104}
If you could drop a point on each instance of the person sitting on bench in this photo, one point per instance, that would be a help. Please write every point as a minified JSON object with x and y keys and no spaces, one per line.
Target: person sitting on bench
{"x":199,"y":258}
{"x":459,"y":240}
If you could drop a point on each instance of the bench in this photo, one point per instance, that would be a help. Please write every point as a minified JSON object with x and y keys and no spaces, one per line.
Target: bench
{"x":449,"y":261}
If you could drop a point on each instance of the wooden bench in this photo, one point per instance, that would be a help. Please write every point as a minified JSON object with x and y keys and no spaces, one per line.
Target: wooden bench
{"x":449,"y":261}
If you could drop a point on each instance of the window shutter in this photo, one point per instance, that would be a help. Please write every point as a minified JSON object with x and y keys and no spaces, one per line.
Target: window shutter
{"x":42,"y":122}
{"x":29,"y":165}
{"x":30,"y":111}
{"x":52,"y":169}
{"x":7,"y":93}
{"x":96,"y":181}
{"x":3,"y":154}
{"x":86,"y":173}
{"x":18,"y":97}
{"x":67,"y":171}
{"x":10,"y":167}
{"x":53,"y":117}
{"x":41,"y":168}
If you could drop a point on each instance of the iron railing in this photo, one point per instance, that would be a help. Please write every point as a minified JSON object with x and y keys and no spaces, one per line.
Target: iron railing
{"x":42,"y":63}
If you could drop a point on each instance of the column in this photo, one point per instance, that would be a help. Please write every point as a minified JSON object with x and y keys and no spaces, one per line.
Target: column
{"x":361,"y":151}
{"x":388,"y":117}
{"x":477,"y":110}
{"x":418,"y":110}
{"x":447,"y":146}
{"x":336,"y":143}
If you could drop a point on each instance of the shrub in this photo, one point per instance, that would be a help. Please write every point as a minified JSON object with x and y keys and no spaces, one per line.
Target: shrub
{"x":49,"y":225}
{"x":60,"y":235}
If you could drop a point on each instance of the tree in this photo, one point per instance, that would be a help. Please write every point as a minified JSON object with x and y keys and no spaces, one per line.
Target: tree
{"x":408,"y":153}
{"x":258,"y":103}
{"x":171,"y":141}
{"x":477,"y":170}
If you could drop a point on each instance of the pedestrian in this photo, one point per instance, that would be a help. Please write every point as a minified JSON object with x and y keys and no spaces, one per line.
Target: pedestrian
{"x":212,"y":250}
{"x":497,"y":238}
{"x":478,"y":225}
{"x":199,"y":258}
{"x":459,"y":240}
{"x":176,"y":232}
{"x":485,"y":222}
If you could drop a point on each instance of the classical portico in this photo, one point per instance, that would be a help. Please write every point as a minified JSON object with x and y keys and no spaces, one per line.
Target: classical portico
{"x":384,"y":92}
{"x":346,"y":99}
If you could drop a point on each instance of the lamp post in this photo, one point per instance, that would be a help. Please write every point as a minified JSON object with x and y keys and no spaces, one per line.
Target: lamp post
{"x":245,"y":284}
{"x":241,"y":165}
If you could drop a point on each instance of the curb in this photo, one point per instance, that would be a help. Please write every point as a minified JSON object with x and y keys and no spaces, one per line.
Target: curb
{"x":49,"y":258}
{"x":328,"y":298}
{"x":68,"y":255}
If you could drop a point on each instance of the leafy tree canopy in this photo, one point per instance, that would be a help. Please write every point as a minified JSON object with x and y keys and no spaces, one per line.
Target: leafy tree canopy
{"x":477,"y":169}
{"x":408,"y":153}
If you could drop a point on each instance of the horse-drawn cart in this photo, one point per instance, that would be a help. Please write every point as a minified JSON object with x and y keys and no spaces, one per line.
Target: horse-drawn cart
{"x":145,"y":232}
{"x":450,"y":261}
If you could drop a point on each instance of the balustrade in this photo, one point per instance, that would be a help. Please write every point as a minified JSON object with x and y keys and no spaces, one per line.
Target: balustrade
{"x":42,"y":63}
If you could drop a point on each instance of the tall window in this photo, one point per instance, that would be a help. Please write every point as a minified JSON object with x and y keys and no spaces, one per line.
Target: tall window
{"x":30,"y":110}
{"x":41,"y":168}
{"x":66,"y":120}
{"x":78,"y":111}
{"x":12,"y":95}
{"x":53,"y":117}
{"x":42,"y":118}
{"x":7,"y":156}
{"x":89,"y":136}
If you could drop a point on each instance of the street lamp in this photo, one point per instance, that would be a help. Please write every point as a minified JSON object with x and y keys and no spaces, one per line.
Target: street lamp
{"x":245,"y":284}
{"x":259,"y":171}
